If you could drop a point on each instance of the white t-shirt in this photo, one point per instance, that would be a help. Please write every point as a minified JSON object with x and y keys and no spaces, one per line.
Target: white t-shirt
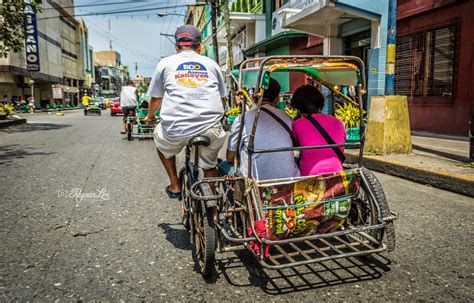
{"x":269,"y":134}
{"x":191,"y":86}
{"x":128,"y":96}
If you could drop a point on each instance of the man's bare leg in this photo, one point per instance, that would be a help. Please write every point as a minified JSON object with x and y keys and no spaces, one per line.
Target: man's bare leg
{"x":170,"y":168}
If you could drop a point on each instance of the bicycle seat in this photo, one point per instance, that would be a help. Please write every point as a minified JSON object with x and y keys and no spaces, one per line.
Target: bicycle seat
{"x":199,"y":140}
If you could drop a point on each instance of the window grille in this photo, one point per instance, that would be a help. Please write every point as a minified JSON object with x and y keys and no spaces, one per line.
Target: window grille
{"x":425,"y":63}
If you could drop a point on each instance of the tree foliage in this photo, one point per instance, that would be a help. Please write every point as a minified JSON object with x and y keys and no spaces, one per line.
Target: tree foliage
{"x":12,"y":29}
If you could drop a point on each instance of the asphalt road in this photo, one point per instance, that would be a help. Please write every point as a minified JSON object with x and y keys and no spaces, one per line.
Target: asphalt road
{"x":128,"y":244}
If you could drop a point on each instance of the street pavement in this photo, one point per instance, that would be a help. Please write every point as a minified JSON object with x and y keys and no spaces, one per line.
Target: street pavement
{"x":123,"y":240}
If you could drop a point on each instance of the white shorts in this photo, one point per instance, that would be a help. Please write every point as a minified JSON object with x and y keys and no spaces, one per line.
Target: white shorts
{"x":170,"y":147}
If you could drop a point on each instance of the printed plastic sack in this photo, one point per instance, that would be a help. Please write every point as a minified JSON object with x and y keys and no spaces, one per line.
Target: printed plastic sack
{"x":318,"y":204}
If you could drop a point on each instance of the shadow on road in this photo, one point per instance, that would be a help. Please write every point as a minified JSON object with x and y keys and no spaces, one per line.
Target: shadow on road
{"x":16,"y":151}
{"x":177,"y":236}
{"x":303,"y":278}
{"x":31,"y":127}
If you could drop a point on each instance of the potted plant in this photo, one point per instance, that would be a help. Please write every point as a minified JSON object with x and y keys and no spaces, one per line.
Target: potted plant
{"x":349,"y":114}
{"x":3,"y":114}
{"x":233,"y":113}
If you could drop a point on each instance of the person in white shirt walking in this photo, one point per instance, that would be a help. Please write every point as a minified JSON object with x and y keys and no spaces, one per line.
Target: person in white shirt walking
{"x":128,"y":103}
{"x":190,"y":90}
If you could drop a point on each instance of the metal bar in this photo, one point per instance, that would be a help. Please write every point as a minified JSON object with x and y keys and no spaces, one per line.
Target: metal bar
{"x":295,"y":247}
{"x":232,"y":248}
{"x":361,"y":242}
{"x":232,"y":239}
{"x":346,"y":243}
{"x":317,"y":249}
{"x":323,"y":236}
{"x":322,"y":259}
{"x":343,"y":198}
{"x":332,"y":246}
{"x":273,"y":260}
{"x":283,"y":149}
{"x":252,"y":134}
{"x":284,"y":253}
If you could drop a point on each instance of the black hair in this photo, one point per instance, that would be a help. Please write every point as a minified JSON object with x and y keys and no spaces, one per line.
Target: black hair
{"x":273,"y":90}
{"x":144,"y":104}
{"x":307,"y":99}
{"x":129,"y":82}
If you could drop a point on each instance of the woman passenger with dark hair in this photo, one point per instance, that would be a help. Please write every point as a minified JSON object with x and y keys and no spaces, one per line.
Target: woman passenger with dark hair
{"x":309,"y":101}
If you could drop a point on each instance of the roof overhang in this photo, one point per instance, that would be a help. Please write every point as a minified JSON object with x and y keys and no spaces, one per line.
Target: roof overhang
{"x":238,"y":21}
{"x":274,"y":42}
{"x":315,"y":18}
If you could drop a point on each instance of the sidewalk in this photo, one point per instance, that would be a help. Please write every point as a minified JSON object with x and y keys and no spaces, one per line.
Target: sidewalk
{"x":436,"y":161}
{"x":11,"y":122}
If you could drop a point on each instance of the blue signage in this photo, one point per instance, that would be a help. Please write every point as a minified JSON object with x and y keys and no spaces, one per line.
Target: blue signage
{"x":31,"y":38}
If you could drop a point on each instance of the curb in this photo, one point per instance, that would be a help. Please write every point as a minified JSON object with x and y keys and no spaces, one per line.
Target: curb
{"x":54,"y":110}
{"x":8,"y":123}
{"x":453,"y":182}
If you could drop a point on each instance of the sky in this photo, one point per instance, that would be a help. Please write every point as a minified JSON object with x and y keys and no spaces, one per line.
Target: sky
{"x":135,"y":35}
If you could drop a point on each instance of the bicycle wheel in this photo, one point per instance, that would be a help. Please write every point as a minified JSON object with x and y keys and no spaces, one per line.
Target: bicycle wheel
{"x":129,"y":131}
{"x":205,"y":236}
{"x":388,"y":233}
{"x":185,"y":198}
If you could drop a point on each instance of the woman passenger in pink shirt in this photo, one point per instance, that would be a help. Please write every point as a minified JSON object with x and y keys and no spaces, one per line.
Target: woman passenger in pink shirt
{"x":309,"y":101}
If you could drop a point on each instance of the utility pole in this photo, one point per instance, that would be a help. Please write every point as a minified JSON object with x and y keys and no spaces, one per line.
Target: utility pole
{"x":214,"y":30}
{"x":471,"y":120}
{"x":230,"y":55}
{"x":391,"y":47}
{"x":110,"y":36}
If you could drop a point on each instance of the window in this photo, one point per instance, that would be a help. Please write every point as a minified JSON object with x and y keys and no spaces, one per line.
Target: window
{"x":425,"y":64}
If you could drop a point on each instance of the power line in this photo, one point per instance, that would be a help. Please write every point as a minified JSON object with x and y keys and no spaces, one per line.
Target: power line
{"x":137,"y":52}
{"x":96,"y":4}
{"x":113,"y":12}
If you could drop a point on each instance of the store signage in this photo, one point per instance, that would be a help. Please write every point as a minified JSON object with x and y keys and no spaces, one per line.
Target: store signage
{"x":31,"y":38}
{"x":57,"y":93}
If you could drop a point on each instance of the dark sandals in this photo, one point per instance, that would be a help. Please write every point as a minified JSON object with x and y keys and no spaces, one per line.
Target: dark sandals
{"x":171,"y":194}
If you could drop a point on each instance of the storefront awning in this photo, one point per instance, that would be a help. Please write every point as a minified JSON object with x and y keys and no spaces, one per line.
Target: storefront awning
{"x":274,"y":42}
{"x":314,"y":16}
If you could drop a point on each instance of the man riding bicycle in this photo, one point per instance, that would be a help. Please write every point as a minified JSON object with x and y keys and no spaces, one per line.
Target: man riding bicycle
{"x":128,"y":103}
{"x":189,"y":89}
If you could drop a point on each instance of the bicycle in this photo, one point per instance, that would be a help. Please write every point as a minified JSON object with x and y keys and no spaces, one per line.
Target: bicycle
{"x":198,"y":204}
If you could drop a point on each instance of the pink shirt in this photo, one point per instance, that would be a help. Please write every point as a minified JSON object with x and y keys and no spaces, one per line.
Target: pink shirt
{"x":319,"y":161}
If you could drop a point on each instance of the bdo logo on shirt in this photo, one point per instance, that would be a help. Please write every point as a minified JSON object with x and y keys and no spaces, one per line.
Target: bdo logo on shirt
{"x":191,"y":74}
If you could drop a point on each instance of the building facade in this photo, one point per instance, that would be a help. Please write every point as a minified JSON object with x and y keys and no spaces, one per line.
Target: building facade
{"x":86,"y":52}
{"x":60,"y":64}
{"x":435,"y":63}
{"x":110,"y":74}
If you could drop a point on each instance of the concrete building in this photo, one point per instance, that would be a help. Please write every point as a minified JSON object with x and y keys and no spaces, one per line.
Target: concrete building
{"x":435,"y":64}
{"x":107,"y":58}
{"x":59,"y":62}
{"x":87,"y":60}
{"x":110,"y":75}
{"x":434,"y":51}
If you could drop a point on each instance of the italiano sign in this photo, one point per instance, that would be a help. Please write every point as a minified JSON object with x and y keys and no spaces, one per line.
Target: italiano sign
{"x":31,"y":38}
